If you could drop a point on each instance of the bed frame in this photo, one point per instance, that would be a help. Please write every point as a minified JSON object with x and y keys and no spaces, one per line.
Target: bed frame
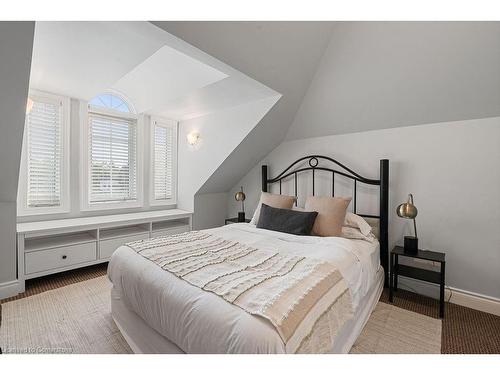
{"x":313,"y":165}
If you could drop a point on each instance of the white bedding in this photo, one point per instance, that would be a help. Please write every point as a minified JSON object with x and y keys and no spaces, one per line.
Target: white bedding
{"x":201,"y":322}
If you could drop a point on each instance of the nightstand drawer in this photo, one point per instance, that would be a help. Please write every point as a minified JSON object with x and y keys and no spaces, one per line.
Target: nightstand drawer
{"x":60,"y":257}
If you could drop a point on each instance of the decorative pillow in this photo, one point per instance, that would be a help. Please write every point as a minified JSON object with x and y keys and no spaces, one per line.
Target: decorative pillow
{"x":355,"y":234}
{"x":331,"y":214}
{"x":355,"y":221}
{"x":273,"y":200}
{"x":288,"y":221}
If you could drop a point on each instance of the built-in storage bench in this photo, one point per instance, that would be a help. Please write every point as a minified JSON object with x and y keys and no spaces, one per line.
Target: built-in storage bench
{"x":111,"y":239}
{"x":167,"y":227}
{"x":47,"y":247}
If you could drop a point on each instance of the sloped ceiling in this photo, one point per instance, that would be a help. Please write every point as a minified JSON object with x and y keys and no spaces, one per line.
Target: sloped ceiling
{"x":157,"y":72}
{"x":165,"y":76}
{"x":82,"y":59}
{"x":281,"y":55}
{"x":359,"y":76}
{"x":217,"y":96}
{"x":377,"y":75}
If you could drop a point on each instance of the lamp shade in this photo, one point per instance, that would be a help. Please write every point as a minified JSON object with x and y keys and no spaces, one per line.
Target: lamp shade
{"x":240,"y":195}
{"x":193,"y":138}
{"x":407,"y":210}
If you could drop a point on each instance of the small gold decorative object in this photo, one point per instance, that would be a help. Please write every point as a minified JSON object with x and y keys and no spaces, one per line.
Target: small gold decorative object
{"x":240,"y":197}
{"x":409,"y":211}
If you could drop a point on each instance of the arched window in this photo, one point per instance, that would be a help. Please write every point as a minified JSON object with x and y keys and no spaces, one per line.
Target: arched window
{"x":111,"y":101}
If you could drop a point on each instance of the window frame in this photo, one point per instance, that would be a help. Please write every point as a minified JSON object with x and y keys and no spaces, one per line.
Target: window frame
{"x":85,"y":204}
{"x":22,"y":202}
{"x":167,"y":123}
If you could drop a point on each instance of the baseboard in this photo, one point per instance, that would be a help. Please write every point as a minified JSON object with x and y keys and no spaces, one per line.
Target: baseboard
{"x":474,"y":300}
{"x":461,"y":297}
{"x":9,"y":289}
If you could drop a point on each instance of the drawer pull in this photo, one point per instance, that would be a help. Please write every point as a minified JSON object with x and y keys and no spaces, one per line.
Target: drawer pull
{"x":64,"y":256}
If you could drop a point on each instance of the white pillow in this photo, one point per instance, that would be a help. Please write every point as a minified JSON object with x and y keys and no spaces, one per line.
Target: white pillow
{"x":355,"y":221}
{"x":355,"y":234}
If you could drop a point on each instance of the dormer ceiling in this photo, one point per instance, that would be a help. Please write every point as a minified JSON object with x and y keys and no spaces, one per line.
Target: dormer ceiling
{"x":156,"y":72}
{"x":164,"y":76}
{"x":82,"y":59}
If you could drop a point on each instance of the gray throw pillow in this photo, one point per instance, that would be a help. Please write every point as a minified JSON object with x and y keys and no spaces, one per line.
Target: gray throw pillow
{"x":287,"y":221}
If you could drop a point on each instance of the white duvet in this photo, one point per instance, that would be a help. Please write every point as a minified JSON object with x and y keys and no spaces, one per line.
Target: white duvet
{"x":201,"y":322}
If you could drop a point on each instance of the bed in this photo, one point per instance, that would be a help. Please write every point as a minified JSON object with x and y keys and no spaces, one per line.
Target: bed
{"x":159,"y":312}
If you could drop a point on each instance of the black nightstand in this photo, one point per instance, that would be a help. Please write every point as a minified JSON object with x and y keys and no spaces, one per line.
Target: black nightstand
{"x":234,"y":220}
{"x":417,"y":273}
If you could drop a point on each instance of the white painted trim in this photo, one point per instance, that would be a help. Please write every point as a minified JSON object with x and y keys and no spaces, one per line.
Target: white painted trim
{"x":22,"y":208}
{"x":51,"y":227}
{"x":111,"y":112}
{"x":474,"y":300}
{"x":460,"y":297}
{"x":9,"y":289}
{"x":165,"y":123}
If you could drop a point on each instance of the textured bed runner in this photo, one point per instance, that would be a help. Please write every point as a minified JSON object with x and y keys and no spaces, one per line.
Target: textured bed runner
{"x":305,"y":299}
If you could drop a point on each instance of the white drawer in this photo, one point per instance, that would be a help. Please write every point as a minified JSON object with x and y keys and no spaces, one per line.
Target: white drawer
{"x":169,"y":231}
{"x":107,"y":247}
{"x":60,"y":257}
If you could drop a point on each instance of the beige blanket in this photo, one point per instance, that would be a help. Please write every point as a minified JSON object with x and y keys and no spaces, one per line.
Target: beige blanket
{"x":305,"y":299}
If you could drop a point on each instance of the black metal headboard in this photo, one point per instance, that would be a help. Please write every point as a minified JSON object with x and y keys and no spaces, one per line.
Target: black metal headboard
{"x":383,"y":182}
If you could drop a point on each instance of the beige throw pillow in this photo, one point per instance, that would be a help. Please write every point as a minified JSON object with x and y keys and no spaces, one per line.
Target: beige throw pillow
{"x":331,"y":214}
{"x":273,"y":200}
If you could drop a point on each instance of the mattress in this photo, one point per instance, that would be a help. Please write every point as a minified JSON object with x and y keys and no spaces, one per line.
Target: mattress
{"x":196,"y":321}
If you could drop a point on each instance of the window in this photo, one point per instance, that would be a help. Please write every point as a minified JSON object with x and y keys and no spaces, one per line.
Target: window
{"x":112,"y":102}
{"x":163,"y":161}
{"x":44,"y":173}
{"x":112,"y":155}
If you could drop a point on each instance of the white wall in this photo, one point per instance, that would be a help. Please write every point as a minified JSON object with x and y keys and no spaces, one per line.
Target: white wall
{"x":16,"y":44}
{"x":220,"y":133}
{"x":451,"y":168}
{"x":209,"y":210}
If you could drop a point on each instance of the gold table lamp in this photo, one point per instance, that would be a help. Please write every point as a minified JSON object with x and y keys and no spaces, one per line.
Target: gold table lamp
{"x":409,"y":211}
{"x":240,"y":197}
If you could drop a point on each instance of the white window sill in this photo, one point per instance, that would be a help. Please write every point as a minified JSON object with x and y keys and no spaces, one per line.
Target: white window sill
{"x":111,"y":206}
{"x":166,"y":202}
{"x":41,"y":211}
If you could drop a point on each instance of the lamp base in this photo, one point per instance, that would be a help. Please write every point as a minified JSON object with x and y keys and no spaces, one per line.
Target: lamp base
{"x":411,"y":245}
{"x":241,"y":217}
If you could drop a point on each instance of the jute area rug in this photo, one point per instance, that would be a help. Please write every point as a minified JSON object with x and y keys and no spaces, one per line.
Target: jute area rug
{"x":76,"y":319}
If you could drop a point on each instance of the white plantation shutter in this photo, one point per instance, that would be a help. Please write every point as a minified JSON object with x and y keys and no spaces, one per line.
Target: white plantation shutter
{"x":163,"y":161}
{"x":112,"y":158}
{"x":44,"y":154}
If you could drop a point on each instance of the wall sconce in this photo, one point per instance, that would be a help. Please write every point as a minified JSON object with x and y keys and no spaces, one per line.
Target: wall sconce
{"x":193,"y":138}
{"x":29,"y":106}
